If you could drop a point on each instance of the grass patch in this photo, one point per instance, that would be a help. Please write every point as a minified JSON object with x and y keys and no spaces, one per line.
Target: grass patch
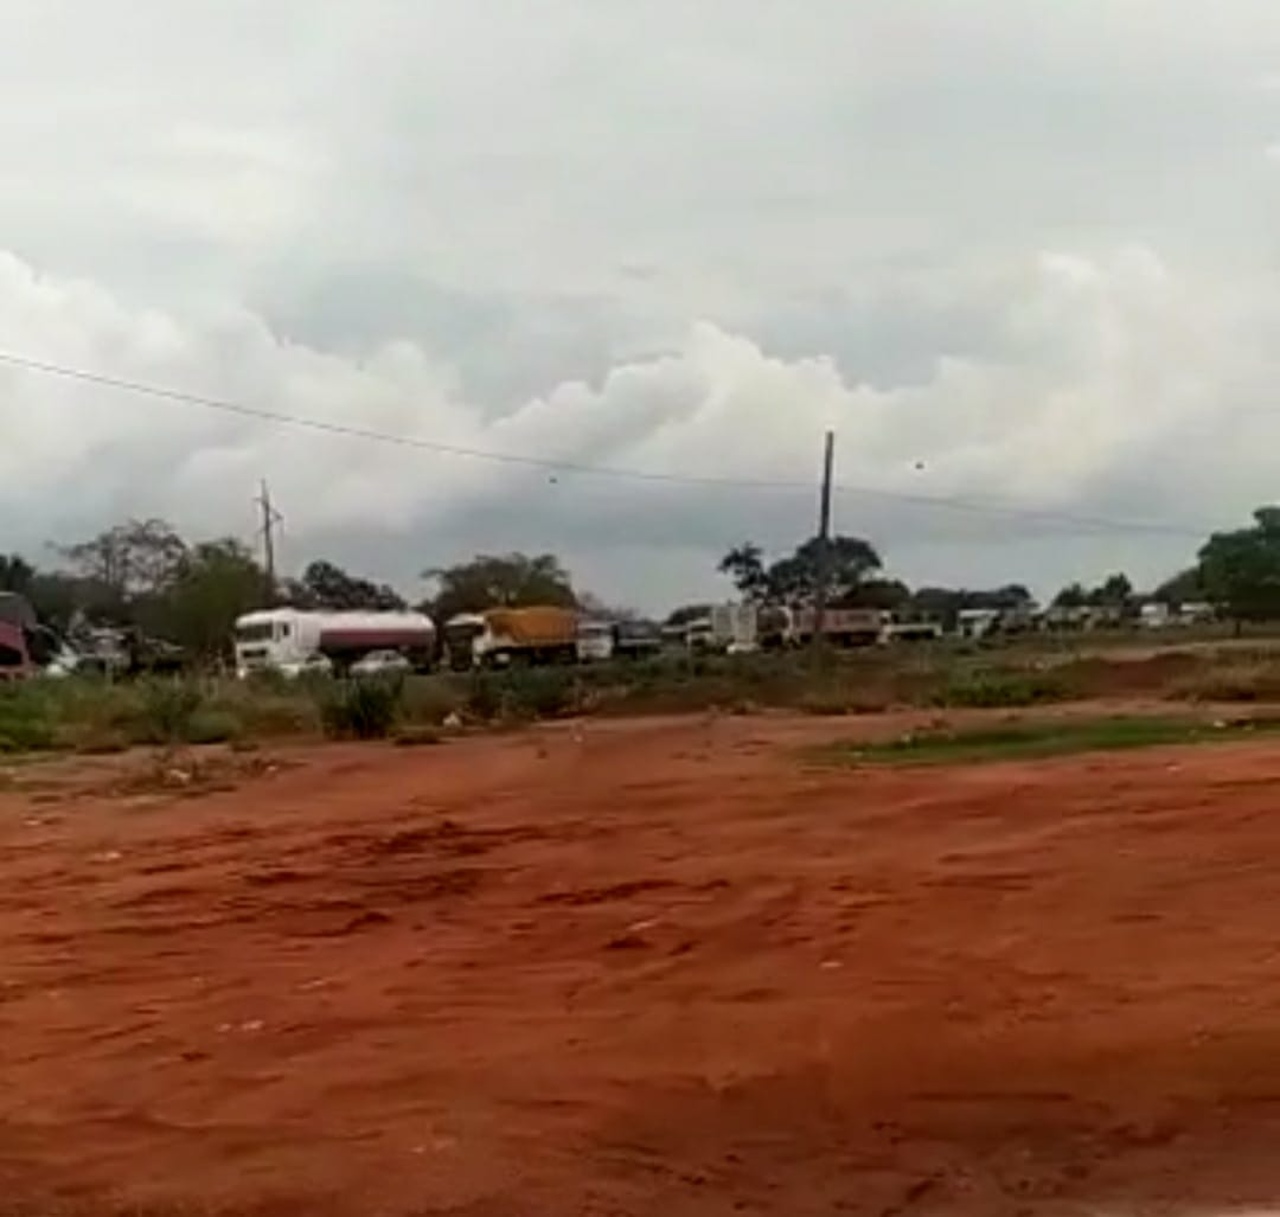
{"x":994,"y":689}
{"x":1238,"y":682}
{"x":1035,"y":741}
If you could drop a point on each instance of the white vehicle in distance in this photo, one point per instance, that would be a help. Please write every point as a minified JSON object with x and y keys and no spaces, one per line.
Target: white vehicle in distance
{"x":288,"y":640}
{"x":594,"y":641}
{"x":381,"y":663}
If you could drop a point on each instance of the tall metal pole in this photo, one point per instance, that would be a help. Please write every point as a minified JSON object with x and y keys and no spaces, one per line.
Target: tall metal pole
{"x":824,"y":539}
{"x":270,"y":518}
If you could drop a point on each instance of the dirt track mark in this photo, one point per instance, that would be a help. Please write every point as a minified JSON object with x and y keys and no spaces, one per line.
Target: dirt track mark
{"x":584,"y":897}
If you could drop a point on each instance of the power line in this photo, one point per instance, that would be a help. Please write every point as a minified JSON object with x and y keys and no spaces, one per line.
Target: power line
{"x":348,"y":431}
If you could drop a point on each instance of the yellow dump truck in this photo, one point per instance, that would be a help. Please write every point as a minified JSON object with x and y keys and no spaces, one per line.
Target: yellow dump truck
{"x":539,"y":634}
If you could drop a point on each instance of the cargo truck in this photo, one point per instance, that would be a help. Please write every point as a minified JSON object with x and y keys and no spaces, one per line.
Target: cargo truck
{"x":842,"y":627}
{"x":727,"y":628}
{"x":503,"y":637}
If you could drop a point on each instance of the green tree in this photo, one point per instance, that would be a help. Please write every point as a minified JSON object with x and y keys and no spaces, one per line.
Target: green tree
{"x":491,"y":581}
{"x":1240,"y":570}
{"x":1115,"y":591}
{"x":850,"y":562}
{"x":325,"y":585}
{"x":1074,"y":595}
{"x":1183,"y":588}
{"x":945,"y":604}
{"x":138,"y":558}
{"x":216,"y":582}
{"x":888,"y":595}
{"x":744,"y":564}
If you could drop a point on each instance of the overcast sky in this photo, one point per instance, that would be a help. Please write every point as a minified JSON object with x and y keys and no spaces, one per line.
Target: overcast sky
{"x":1021,"y":255}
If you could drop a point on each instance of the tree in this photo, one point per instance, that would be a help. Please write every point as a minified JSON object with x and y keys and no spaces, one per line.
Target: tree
{"x":687,"y":613}
{"x":324,"y":585}
{"x":16,"y":573}
{"x":216,"y":582}
{"x":850,"y":561}
{"x":491,"y":581}
{"x":1240,"y":571}
{"x":1115,"y":591}
{"x":1184,"y":587}
{"x":888,"y":595}
{"x":134,"y":559}
{"x":1073,"y":595}
{"x":59,"y":599}
{"x":744,"y":564}
{"x":945,"y":604}
{"x":794,"y":579}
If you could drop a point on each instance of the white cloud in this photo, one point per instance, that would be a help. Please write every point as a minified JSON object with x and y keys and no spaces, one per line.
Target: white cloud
{"x":1106,"y":400}
{"x":1026,"y":247}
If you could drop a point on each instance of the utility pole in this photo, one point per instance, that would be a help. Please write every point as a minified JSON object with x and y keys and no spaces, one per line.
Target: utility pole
{"x":270,"y":519}
{"x":824,"y":540}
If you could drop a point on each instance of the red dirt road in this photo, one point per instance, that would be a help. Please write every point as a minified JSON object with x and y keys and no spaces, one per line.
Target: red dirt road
{"x":658,"y":968}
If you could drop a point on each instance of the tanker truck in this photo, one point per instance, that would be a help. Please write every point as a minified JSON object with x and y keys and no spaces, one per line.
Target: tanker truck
{"x":292,"y":642}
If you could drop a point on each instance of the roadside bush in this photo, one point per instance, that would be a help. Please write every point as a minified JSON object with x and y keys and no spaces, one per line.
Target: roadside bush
{"x":274,"y":714}
{"x":484,"y":696}
{"x":1241,"y":682}
{"x":519,"y":694}
{"x":429,"y":700}
{"x":26,"y":724}
{"x":211,"y":725}
{"x":167,"y":710}
{"x":361,"y":709}
{"x":992,"y":689}
{"x":539,"y":693}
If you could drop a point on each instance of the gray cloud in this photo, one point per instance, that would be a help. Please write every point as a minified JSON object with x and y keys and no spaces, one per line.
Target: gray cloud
{"x":1012,"y":253}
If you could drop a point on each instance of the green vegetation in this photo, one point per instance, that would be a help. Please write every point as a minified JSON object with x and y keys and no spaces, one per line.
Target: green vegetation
{"x":88,"y":714}
{"x":999,"y":689}
{"x":361,"y":709}
{"x":1039,"y":740}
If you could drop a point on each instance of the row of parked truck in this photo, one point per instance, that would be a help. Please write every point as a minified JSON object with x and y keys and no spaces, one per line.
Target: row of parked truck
{"x":293,"y":641}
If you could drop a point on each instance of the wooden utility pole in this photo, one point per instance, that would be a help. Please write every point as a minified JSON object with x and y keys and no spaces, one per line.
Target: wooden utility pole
{"x":270,"y":519}
{"x":824,"y":540}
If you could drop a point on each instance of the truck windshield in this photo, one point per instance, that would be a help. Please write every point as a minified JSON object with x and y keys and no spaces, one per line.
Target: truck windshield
{"x":259,"y":631}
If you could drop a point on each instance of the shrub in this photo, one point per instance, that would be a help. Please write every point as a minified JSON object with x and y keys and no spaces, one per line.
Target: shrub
{"x":1252,"y":682}
{"x":26,"y":722}
{"x":167,"y":709}
{"x":539,"y":692}
{"x":431,"y":699}
{"x":992,"y":689}
{"x":361,"y":709}
{"x":211,"y":725}
{"x":484,"y":695}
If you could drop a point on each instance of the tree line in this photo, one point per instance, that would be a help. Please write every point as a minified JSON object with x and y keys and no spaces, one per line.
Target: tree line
{"x":144,"y":575}
{"x":1236,"y":571}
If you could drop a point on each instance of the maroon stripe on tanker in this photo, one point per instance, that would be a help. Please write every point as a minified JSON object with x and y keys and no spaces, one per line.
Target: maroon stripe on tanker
{"x":373,"y":640}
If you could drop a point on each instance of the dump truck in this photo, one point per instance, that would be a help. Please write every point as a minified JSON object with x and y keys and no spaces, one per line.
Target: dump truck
{"x":501,"y":637}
